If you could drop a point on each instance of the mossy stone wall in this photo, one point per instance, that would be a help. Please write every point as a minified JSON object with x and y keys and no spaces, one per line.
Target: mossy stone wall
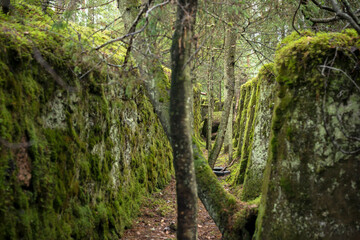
{"x":252,"y":130}
{"x":258,"y":147}
{"x":311,"y":183}
{"x":73,"y":164}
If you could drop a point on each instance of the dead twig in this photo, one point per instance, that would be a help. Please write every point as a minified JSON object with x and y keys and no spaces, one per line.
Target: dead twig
{"x":39,"y":58}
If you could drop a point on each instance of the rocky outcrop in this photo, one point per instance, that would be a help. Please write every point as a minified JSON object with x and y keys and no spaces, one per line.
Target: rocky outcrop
{"x":258,"y":148}
{"x":215,"y":125}
{"x":311,"y":183}
{"x":252,"y":131}
{"x":74,"y":162}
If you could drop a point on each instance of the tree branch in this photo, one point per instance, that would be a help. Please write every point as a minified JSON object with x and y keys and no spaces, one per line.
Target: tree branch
{"x":38,"y":57}
{"x":345,"y":16}
{"x":323,"y":7}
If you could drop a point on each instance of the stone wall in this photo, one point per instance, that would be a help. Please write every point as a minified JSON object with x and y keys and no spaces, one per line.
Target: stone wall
{"x":311,"y":183}
{"x":80,"y":145}
{"x":252,"y":131}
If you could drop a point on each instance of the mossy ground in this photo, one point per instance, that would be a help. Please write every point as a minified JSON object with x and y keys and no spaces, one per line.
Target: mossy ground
{"x":73,"y":165}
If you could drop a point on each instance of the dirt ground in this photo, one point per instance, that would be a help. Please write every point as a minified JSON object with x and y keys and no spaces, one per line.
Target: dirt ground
{"x":157,"y":219}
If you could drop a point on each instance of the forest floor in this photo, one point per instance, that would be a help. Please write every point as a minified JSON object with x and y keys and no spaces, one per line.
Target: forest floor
{"x":157,"y":218}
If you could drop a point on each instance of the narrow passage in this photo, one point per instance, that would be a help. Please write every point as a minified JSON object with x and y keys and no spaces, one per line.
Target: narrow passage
{"x":157,"y":219}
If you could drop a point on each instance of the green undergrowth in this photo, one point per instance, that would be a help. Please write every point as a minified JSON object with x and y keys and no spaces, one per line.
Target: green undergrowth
{"x":73,"y":164}
{"x":159,"y":204}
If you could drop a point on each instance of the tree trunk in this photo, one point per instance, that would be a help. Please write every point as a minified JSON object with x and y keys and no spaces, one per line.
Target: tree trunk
{"x":219,"y":103}
{"x":210,"y":105}
{"x":235,"y":220}
{"x":230,"y":46}
{"x":229,"y":70}
{"x":180,"y":120}
{"x":221,"y":205}
{"x":5,"y":4}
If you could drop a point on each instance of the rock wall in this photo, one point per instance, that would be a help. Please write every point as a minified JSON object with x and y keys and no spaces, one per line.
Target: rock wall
{"x":258,"y":148}
{"x":80,"y":145}
{"x":252,"y":131}
{"x":311,"y":183}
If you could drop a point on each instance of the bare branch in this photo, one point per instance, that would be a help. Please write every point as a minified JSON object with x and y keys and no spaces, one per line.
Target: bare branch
{"x":345,"y":16}
{"x":132,"y":31}
{"x":346,"y":75}
{"x":349,"y":10}
{"x":322,"y":7}
{"x":324,"y":20}
{"x":293,"y":20}
{"x":156,"y":6}
{"x":104,"y":28}
{"x":38,"y":57}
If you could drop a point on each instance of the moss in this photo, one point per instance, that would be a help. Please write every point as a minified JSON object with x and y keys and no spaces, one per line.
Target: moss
{"x":288,"y":188}
{"x":81,"y":185}
{"x":197,"y":109}
{"x":241,"y":120}
{"x":298,"y":54}
{"x":248,"y":132}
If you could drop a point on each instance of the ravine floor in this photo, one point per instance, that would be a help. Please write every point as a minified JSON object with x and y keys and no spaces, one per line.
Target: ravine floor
{"x":157,"y":219}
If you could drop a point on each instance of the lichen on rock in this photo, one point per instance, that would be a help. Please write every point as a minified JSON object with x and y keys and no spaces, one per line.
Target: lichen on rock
{"x":89,"y":156}
{"x":309,"y":188}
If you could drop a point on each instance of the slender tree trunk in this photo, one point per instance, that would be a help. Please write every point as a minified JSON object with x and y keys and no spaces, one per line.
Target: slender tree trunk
{"x":229,"y":70}
{"x":228,"y":148}
{"x":230,"y":47}
{"x":220,"y":87}
{"x":210,"y":105}
{"x":193,"y":82}
{"x":221,"y":205}
{"x":229,"y":74}
{"x":180,"y":120}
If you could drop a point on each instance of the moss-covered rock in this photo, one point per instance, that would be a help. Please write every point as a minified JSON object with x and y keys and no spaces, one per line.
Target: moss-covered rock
{"x":311,"y":183}
{"x":252,"y":131}
{"x":247,"y":139}
{"x":215,"y":125}
{"x":74,"y":164}
{"x":197,"y":109}
{"x":240,"y":124}
{"x":261,"y":134}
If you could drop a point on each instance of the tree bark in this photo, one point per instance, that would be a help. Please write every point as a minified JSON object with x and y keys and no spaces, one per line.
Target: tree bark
{"x":235,"y":220}
{"x":230,"y":47}
{"x":210,"y":105}
{"x":180,"y":120}
{"x":5,"y":4}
